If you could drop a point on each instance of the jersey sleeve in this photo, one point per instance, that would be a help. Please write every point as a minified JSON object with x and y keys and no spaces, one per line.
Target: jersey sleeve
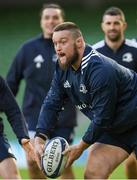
{"x":9,"y":106}
{"x":52,"y":105}
{"x":15,"y":73}
{"x":103,"y":93}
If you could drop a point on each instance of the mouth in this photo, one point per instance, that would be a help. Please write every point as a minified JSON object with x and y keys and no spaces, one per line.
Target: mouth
{"x":60,"y":55}
{"x":112,"y":32}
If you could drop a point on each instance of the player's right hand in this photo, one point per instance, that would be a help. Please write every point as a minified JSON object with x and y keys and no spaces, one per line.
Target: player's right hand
{"x":39,"y":149}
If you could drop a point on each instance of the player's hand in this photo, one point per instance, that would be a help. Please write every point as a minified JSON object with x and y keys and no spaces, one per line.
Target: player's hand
{"x":74,"y":152}
{"x":39,"y":144}
{"x":27,"y":146}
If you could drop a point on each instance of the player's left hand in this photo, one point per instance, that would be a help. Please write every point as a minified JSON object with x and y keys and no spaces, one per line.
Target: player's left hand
{"x":27,"y":146}
{"x":74,"y":152}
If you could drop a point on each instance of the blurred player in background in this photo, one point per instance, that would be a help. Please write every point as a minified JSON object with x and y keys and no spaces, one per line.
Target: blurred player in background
{"x":122,"y":50}
{"x":35,"y":63}
{"x":8,"y":105}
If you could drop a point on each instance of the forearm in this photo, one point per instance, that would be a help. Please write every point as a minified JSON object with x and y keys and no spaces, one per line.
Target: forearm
{"x":83,"y":145}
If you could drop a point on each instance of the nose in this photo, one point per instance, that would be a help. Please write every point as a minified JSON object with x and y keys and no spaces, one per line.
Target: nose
{"x":58,"y":47}
{"x":112,"y":26}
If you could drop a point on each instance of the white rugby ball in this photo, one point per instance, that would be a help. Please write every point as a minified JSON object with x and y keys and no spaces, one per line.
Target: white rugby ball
{"x":52,"y":161}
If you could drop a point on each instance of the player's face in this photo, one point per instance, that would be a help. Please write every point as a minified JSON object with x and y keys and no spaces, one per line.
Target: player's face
{"x":66,"y":48}
{"x":49,"y":19}
{"x":113,"y":27}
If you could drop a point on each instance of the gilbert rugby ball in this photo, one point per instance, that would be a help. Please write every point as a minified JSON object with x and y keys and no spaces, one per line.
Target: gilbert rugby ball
{"x":52,"y":161}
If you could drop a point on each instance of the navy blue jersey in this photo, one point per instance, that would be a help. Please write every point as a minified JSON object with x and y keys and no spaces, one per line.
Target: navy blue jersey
{"x":35,"y":63}
{"x":125,"y":55}
{"x":103,"y":90}
{"x":9,"y":106}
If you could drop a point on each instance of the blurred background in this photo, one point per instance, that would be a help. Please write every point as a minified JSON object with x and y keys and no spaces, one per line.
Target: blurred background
{"x":19,"y":21}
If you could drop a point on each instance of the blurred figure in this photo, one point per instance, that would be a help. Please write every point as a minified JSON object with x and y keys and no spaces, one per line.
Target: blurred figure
{"x":123,"y":51}
{"x":8,"y":105}
{"x":35,"y":63}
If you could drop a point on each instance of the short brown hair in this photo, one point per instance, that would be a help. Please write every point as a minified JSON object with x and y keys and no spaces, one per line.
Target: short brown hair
{"x":53,"y":6}
{"x":70,"y":26}
{"x":114,"y":11}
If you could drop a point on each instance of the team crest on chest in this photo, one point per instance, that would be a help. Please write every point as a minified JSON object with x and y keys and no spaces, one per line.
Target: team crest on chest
{"x":54,"y":58}
{"x":38,"y":60}
{"x":127,"y":57}
{"x":83,"y":89}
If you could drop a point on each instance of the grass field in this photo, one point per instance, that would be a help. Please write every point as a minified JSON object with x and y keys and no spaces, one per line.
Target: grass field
{"x":117,"y":174}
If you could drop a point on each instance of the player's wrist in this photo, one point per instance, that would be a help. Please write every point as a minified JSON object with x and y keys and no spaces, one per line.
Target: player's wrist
{"x":24,"y":140}
{"x":41,"y":135}
{"x":83,"y":145}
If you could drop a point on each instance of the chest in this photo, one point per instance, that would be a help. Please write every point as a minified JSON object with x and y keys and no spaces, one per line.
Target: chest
{"x":125,"y":56}
{"x":77,"y":87}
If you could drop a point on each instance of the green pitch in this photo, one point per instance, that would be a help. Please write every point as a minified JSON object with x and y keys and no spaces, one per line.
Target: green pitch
{"x":117,"y":174}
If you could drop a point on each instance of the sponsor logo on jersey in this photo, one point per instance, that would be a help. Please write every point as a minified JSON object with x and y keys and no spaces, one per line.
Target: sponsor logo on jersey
{"x":38,"y":60}
{"x":127,"y":57}
{"x":83,"y":89}
{"x":67,"y":84}
{"x":81,"y":106}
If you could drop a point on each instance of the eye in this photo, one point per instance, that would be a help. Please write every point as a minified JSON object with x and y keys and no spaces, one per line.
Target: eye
{"x":64,"y":41}
{"x":117,"y":23}
{"x":108,"y":23}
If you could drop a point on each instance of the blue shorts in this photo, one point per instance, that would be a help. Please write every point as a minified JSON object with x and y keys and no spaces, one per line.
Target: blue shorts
{"x":5,"y":149}
{"x":126,"y":140}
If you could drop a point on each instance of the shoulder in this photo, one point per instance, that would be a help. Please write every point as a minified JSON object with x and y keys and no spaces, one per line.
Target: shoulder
{"x":2,"y":83}
{"x":131,"y":43}
{"x":98,"y":45}
{"x":33,"y":40}
{"x":134,"y":40}
{"x":29,"y":45}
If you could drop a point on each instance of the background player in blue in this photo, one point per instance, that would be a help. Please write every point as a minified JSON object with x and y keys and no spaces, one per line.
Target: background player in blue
{"x":8,"y":105}
{"x":35,"y":63}
{"x":122,"y":50}
{"x":105,"y":91}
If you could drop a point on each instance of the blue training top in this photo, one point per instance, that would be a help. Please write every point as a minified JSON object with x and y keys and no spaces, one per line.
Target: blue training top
{"x":35,"y":63}
{"x":125,"y":55}
{"x":9,"y":106}
{"x":103,"y":90}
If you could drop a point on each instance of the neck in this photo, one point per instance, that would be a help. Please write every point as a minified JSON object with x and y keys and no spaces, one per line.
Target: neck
{"x":114,"y":45}
{"x":47,"y":36}
{"x":76,"y":65}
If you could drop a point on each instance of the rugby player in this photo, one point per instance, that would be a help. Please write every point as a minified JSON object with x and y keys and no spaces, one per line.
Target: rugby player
{"x":123,"y":51}
{"x":107,"y":95}
{"x":35,"y":63}
{"x":8,"y":105}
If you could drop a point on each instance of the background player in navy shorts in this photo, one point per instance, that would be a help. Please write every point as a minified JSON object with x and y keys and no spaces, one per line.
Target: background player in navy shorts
{"x":35,"y":63}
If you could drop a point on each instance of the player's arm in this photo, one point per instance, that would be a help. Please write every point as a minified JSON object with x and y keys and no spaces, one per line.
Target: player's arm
{"x":103,"y":102}
{"x":15,"y":72}
{"x":49,"y":114}
{"x":9,"y":106}
{"x":52,"y":105}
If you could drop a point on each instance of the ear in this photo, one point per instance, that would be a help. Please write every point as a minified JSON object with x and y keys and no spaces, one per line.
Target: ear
{"x":102,"y":26}
{"x":79,"y":42}
{"x":125,"y":25}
